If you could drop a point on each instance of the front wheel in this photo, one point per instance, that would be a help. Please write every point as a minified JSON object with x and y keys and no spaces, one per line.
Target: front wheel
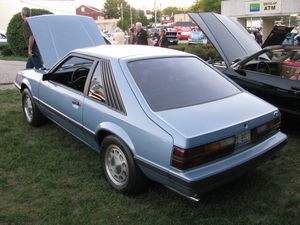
{"x":119,"y":168}
{"x":32,"y":114}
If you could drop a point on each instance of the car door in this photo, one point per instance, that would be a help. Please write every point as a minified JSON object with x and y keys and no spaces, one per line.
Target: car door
{"x":103,"y":103}
{"x":62,"y":98}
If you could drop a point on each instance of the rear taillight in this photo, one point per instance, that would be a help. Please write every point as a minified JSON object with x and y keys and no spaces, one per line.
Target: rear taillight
{"x":187,"y":158}
{"x":266,"y":129}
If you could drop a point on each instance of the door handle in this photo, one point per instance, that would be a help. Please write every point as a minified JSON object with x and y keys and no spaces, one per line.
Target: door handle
{"x":75,"y":102}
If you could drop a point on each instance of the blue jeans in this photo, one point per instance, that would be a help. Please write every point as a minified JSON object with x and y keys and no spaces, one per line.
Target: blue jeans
{"x":34,"y":61}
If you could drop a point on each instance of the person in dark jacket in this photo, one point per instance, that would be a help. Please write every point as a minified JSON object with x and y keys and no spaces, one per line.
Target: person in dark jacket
{"x":141,"y":35}
{"x":162,"y":39}
{"x":34,"y":58}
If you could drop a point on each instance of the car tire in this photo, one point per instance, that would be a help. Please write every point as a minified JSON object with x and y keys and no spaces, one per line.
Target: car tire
{"x":119,"y":167}
{"x":31,"y":112}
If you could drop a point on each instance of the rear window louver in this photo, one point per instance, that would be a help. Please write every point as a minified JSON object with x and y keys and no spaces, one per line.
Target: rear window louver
{"x":113,"y":97}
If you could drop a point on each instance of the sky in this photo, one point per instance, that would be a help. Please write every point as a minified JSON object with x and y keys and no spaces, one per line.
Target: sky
{"x":11,"y":7}
{"x":139,"y":4}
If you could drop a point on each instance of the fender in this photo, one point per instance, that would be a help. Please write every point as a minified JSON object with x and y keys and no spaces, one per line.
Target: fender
{"x":118,"y":131}
{"x":26,"y":83}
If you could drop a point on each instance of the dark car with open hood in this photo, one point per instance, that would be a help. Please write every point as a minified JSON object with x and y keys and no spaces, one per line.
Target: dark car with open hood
{"x":272,"y":73}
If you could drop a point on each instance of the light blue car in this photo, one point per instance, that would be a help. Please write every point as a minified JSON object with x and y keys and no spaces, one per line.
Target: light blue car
{"x":197,"y":37}
{"x":152,"y":113}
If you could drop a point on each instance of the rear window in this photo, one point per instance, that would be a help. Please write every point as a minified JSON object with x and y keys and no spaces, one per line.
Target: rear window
{"x":168,"y":83}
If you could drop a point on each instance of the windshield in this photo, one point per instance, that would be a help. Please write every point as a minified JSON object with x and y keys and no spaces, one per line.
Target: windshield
{"x":168,"y":83}
{"x":276,"y":55}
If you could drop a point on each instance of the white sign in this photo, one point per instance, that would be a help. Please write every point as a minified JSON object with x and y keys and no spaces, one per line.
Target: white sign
{"x":269,"y":6}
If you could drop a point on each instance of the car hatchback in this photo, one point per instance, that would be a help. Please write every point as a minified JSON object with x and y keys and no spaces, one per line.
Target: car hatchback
{"x":152,"y":113}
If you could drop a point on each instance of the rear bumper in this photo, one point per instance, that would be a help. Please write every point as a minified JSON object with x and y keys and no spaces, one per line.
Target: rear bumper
{"x":218,"y":173}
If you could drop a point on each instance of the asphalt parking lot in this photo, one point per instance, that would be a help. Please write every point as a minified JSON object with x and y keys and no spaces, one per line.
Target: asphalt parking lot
{"x":8,"y":71}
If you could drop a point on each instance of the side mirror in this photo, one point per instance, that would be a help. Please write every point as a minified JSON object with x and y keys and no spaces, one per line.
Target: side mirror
{"x":47,"y":76}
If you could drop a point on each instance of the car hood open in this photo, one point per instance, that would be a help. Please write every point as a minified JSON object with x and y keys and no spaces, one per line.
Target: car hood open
{"x":57,"y":35}
{"x":230,"y":39}
{"x":277,"y":35}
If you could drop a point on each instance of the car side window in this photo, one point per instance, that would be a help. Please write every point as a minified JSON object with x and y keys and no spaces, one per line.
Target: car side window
{"x":73,"y":72}
{"x":96,"y":89}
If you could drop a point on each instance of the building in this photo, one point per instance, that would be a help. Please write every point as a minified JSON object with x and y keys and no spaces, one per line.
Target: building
{"x":85,"y":10}
{"x":109,"y":25}
{"x":264,"y":10}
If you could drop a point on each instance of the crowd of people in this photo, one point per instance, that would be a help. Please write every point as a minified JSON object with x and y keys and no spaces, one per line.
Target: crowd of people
{"x":256,"y":34}
{"x":139,"y":36}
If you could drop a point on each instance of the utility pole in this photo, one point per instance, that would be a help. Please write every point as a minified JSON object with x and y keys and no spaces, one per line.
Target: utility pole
{"x":155,"y":14}
{"x":130,"y":17}
{"x":122,"y":15}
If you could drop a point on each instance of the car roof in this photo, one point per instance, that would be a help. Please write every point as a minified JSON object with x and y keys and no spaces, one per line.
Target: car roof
{"x":129,"y":51}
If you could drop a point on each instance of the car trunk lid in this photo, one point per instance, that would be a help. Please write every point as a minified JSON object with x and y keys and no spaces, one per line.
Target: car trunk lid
{"x":56,"y":35}
{"x":201,"y":124}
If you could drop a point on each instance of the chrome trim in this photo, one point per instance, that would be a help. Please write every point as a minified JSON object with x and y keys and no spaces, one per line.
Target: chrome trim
{"x":53,"y":110}
{"x":193,"y":198}
{"x":17,"y":85}
{"x":75,"y":123}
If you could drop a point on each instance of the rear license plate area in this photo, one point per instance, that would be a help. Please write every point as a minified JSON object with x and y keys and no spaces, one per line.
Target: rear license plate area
{"x":243,"y":138}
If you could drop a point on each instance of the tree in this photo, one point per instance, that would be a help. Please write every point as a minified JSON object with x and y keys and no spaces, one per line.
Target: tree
{"x":142,"y":18}
{"x":170,"y":11}
{"x":15,"y":33}
{"x":158,"y":16}
{"x":206,"y":6}
{"x":137,"y":16}
{"x":113,"y":8}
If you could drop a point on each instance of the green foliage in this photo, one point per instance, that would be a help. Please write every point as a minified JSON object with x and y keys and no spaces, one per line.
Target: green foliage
{"x":137,"y":16}
{"x":205,"y":52}
{"x":113,"y":8}
{"x":171,"y":11}
{"x":142,"y":18}
{"x":124,"y":24}
{"x":5,"y":50}
{"x":158,"y":16}
{"x":206,"y":6}
{"x":15,"y":33}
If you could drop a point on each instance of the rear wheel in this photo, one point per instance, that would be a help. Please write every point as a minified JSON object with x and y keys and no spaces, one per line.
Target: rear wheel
{"x":32,"y":114}
{"x":119,"y":168}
